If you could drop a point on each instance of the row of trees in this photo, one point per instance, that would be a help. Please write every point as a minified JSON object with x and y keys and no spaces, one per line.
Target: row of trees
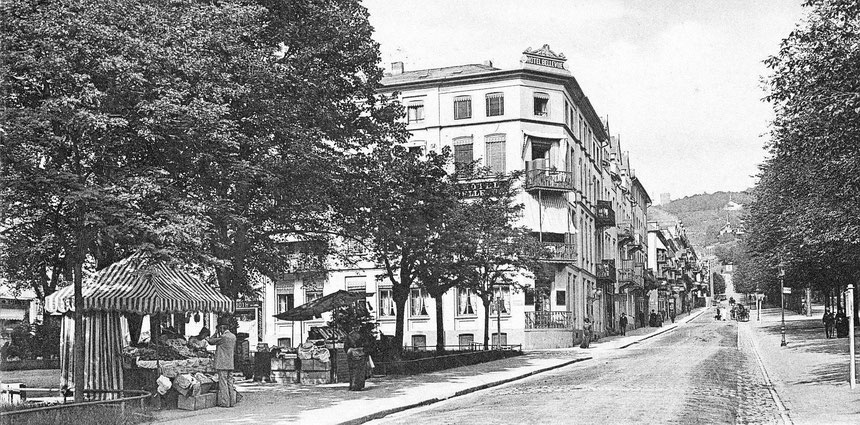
{"x":212,"y":133}
{"x":804,"y":215}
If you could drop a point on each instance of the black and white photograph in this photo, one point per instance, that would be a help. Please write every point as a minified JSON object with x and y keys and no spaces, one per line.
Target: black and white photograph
{"x":232,"y":212}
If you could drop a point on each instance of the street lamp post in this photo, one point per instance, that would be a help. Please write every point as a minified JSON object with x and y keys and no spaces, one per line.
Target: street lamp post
{"x":782,"y":301}
{"x":849,"y":307}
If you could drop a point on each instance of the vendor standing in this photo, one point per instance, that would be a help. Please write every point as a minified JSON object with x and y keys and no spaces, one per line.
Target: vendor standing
{"x":225,"y":345}
{"x":356,"y":358}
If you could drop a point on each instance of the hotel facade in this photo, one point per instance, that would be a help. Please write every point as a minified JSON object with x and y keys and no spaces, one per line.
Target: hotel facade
{"x":581,"y":200}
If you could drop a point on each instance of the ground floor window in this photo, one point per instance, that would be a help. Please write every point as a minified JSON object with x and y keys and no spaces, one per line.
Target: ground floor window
{"x":386,"y":303}
{"x":466,"y":340}
{"x":495,"y":338}
{"x":419,"y":342}
{"x":285,"y":342}
{"x":503,"y":294}
{"x":418,"y":302}
{"x":467,"y":302}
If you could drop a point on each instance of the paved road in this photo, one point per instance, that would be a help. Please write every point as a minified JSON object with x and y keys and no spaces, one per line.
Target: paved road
{"x":700,"y":373}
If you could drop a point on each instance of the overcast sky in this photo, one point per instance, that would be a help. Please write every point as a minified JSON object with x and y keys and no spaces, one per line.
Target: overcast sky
{"x":681,"y":81}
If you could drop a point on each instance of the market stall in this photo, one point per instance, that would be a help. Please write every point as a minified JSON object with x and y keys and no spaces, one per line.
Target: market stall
{"x":135,"y":285}
{"x":316,"y":360}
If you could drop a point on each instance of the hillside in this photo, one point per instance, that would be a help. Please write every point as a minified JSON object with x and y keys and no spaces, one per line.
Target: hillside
{"x":704,"y":216}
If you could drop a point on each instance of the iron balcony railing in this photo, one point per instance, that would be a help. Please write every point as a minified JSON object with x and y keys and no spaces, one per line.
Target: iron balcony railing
{"x":625,"y":232}
{"x":606,"y":271}
{"x":549,"y":320}
{"x":553,"y":180}
{"x":605,"y":215}
{"x":631,"y":272}
{"x":558,"y":252}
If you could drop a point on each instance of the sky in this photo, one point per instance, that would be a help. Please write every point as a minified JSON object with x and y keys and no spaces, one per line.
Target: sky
{"x":681,"y":82}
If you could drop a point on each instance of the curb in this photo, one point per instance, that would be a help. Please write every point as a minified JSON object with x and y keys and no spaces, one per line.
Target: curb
{"x":384,"y":413}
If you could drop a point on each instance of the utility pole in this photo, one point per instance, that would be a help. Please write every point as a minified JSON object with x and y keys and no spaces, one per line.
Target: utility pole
{"x":499,"y":302}
{"x":849,"y":307}
{"x":782,"y":301}
{"x":711,"y":281}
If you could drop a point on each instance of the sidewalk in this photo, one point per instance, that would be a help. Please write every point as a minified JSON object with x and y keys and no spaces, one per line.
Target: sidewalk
{"x":333,"y":404}
{"x":810,"y":374}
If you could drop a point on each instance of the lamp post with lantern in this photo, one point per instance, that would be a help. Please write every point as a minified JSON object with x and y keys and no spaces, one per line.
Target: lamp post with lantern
{"x":782,"y":301}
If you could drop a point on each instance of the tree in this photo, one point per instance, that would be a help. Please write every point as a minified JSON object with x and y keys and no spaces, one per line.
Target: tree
{"x":400,"y":214}
{"x":502,"y":251}
{"x":804,"y":213}
{"x":719,"y":284}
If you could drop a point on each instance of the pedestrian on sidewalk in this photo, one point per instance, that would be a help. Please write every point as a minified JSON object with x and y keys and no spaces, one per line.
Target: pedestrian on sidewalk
{"x":355,"y":345}
{"x":225,"y":345}
{"x":841,"y":324}
{"x":586,"y":333}
{"x":829,"y":320}
{"x":672,"y":316}
{"x":622,"y":323}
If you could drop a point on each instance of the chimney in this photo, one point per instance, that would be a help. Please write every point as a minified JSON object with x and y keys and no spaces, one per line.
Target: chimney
{"x":396,"y":68}
{"x":488,"y":63}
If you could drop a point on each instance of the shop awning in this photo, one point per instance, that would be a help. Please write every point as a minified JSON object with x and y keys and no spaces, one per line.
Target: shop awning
{"x":317,"y":307}
{"x":137,"y":285}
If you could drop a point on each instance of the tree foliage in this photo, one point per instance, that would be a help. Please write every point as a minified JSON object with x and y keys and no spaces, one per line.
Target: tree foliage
{"x":805,"y":209}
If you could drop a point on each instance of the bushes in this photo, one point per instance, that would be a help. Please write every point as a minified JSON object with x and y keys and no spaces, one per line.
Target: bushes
{"x":29,"y":342}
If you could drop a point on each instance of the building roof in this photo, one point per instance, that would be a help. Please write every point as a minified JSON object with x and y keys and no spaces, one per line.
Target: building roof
{"x":436,"y":73}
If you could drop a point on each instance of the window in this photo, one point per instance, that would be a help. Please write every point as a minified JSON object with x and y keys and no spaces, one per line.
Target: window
{"x":415,"y":112}
{"x":467,"y":302}
{"x":358,"y":284}
{"x":541,"y":104}
{"x":386,"y":303}
{"x":416,"y":147}
{"x":286,"y":302}
{"x":311,"y":295}
{"x":463,"y":154}
{"x":496,"y":153}
{"x":502,"y":293}
{"x":466,"y":340}
{"x":419,"y":342}
{"x":495,"y":104}
{"x":496,"y":339}
{"x":560,"y":297}
{"x":418,"y":302}
{"x":566,"y":113}
{"x":530,"y":296}
{"x":462,"y":107}
{"x":285,"y":342}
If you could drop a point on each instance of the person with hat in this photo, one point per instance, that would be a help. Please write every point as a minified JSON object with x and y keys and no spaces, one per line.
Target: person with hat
{"x":225,"y":345}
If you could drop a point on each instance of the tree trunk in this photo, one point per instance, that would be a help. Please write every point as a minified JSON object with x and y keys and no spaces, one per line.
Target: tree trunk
{"x":400,"y":297}
{"x":440,"y":324}
{"x":486,"y":302}
{"x":79,"y":349}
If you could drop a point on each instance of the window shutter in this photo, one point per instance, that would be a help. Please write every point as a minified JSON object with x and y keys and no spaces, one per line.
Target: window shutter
{"x":463,"y":152}
{"x":496,"y":153}
{"x":495,"y":104}
{"x":462,"y":107}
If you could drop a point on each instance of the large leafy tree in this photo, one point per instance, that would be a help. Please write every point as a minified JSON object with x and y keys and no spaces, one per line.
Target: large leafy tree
{"x":501,"y":251}
{"x":203,"y":130}
{"x":804,"y":214}
{"x":401,"y":214}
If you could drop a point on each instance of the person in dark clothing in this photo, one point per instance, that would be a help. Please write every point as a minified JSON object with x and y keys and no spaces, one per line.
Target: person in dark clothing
{"x":355,"y":345}
{"x":841,"y":324}
{"x":829,"y":320}
{"x":652,"y":319}
{"x":622,"y":323}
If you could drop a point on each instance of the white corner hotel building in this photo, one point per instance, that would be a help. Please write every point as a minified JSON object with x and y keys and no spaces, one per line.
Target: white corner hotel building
{"x":533,"y":118}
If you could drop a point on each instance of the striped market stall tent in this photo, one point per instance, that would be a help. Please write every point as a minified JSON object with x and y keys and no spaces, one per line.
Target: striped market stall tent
{"x":134,"y":285}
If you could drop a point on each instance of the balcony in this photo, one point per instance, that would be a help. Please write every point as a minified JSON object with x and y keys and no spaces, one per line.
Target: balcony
{"x":558,"y":252}
{"x":606,"y":271}
{"x":605,"y":215}
{"x":625,"y":232}
{"x":549,"y":180}
{"x":305,"y":263}
{"x":549,"y":320}
{"x":632,"y":273}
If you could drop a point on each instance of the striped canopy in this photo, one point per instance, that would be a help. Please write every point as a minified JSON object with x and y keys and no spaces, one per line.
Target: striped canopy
{"x":136,"y":285}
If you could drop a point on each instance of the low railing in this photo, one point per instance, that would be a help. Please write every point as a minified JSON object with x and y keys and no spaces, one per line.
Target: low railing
{"x":446,"y":361}
{"x":549,"y":180}
{"x":559,"y":252}
{"x":549,"y":320}
{"x":134,"y":399}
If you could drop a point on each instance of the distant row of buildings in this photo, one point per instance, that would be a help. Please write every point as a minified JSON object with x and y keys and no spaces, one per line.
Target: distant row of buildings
{"x":582,"y":200}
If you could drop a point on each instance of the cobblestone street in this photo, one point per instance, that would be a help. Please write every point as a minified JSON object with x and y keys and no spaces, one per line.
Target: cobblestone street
{"x":699,"y":373}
